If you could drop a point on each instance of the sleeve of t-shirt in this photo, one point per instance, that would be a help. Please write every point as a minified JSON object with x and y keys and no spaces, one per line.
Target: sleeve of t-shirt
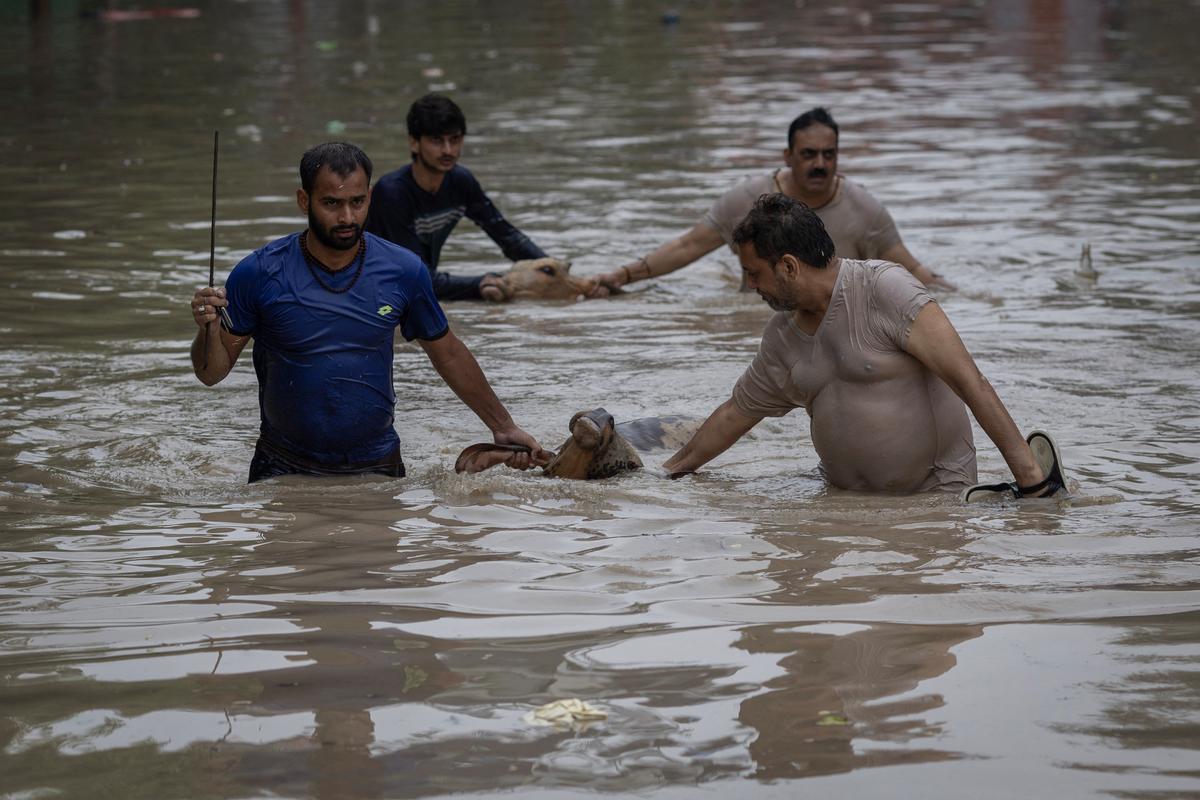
{"x":515,"y":245}
{"x":423,"y":318}
{"x":881,"y":232}
{"x":762,"y":391}
{"x":896,"y":299}
{"x":730,"y":209}
{"x":241,"y":289}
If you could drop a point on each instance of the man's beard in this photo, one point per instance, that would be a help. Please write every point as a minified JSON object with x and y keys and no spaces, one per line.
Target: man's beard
{"x":778,"y":304}
{"x":781,"y":302}
{"x":325,"y":235}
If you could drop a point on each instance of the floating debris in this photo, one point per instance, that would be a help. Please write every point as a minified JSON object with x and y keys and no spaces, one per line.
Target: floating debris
{"x":564,"y":713}
{"x":829,"y":718}
{"x":1086,"y":270}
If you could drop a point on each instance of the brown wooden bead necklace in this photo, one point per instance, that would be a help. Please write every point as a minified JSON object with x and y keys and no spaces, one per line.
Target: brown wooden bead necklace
{"x":310,"y":260}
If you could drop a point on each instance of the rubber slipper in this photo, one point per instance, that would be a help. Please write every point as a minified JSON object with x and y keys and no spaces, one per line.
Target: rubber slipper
{"x":1046,"y":453}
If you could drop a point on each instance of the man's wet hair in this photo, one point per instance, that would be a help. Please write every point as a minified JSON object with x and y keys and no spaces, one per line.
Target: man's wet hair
{"x":435,"y":115}
{"x":341,"y":157}
{"x":778,"y":225}
{"x":814,"y":116}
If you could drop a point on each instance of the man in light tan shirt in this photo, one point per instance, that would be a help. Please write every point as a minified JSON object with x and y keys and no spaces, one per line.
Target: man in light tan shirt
{"x":868,"y":353}
{"x":858,"y":223}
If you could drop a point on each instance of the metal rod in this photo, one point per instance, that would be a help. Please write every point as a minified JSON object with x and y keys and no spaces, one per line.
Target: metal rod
{"x":212,"y":240}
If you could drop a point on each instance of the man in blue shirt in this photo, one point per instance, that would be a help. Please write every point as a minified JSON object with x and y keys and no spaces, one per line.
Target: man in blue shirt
{"x":418,"y":205}
{"x":323,"y":306}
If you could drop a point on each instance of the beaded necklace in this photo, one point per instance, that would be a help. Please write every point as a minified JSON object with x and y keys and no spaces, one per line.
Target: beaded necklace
{"x":310,"y":260}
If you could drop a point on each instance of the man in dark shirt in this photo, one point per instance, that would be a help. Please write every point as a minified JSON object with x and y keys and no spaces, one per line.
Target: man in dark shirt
{"x":417,"y":206}
{"x":322,"y":307}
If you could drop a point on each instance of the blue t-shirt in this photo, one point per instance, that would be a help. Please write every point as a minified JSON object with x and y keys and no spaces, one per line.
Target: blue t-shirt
{"x":404,"y":213}
{"x":324,"y":359}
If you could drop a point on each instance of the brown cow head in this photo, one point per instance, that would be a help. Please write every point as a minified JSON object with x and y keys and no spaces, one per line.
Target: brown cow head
{"x":543,"y":279}
{"x":595,"y":449}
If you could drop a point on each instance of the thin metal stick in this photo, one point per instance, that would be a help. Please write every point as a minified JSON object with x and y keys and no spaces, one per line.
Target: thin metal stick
{"x":212,"y":240}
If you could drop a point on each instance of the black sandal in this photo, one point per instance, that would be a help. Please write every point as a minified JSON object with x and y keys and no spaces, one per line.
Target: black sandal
{"x":1045,"y":451}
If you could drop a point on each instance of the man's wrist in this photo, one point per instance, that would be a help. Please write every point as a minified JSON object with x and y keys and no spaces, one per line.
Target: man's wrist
{"x":504,"y":425}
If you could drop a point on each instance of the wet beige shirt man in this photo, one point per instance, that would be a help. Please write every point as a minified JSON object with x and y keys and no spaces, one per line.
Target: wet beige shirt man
{"x":880,"y":421}
{"x":878,"y":366}
{"x":859,"y":224}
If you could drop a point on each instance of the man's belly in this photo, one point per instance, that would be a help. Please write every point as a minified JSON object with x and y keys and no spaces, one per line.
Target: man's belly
{"x":890,"y":436}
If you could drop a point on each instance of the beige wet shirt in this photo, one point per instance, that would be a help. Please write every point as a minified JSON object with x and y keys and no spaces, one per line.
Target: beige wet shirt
{"x":879,"y":419}
{"x":858,"y":223}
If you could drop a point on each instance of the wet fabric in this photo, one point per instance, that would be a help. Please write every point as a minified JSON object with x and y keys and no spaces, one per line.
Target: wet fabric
{"x":879,"y":420}
{"x":324,"y":358}
{"x":861,"y":228}
{"x":404,"y":213}
{"x":268,"y":462}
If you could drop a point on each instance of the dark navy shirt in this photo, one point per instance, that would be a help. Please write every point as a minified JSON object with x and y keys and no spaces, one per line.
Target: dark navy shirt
{"x":404,"y":213}
{"x":324,"y":359}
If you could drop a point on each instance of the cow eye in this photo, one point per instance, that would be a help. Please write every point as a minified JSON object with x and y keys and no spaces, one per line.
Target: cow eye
{"x":547,"y":270}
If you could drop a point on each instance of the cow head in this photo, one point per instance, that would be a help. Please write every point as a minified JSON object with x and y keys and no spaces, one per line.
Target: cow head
{"x":595,"y":449}
{"x":543,"y":279}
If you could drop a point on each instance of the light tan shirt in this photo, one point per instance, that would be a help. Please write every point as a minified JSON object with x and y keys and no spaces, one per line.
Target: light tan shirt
{"x":879,"y":419}
{"x":858,"y":223}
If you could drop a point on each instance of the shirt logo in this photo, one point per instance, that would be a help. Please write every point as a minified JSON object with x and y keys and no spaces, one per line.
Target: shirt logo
{"x":384,"y":310}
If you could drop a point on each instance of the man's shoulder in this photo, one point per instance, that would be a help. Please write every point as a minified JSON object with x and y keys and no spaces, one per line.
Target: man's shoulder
{"x":392,"y":254}
{"x":395,"y":181}
{"x":872,"y":268}
{"x":728,"y":209}
{"x":857,"y":194}
{"x":876,"y":275}
{"x":755,"y":185}
{"x":461,"y":177}
{"x":270,"y":253}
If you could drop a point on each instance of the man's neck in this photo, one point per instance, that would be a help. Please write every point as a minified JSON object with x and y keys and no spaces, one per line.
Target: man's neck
{"x":820,"y":287}
{"x":814,"y":201}
{"x":426,"y":178}
{"x":333,"y":259}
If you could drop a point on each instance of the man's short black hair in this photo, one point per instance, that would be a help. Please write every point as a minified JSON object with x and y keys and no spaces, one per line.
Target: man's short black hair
{"x":435,"y":115}
{"x":814,"y":116}
{"x":341,"y":157}
{"x":779,"y":225}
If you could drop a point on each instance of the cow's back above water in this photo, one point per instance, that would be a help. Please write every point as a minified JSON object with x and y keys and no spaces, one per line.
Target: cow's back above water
{"x":658,"y":433}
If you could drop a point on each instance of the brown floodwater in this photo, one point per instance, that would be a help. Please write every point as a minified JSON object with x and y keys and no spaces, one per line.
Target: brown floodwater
{"x":168,"y":631}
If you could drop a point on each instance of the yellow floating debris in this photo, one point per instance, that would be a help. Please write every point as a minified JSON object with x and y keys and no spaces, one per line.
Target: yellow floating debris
{"x":565,"y":712}
{"x":832,"y":718}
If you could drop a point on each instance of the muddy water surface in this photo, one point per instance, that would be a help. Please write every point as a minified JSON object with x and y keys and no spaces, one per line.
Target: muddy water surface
{"x":167,"y":631}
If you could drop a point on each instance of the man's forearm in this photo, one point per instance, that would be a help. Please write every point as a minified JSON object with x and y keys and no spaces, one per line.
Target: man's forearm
{"x":516,"y":246}
{"x":462,"y":373}
{"x":210,"y":359}
{"x":723,"y":427}
{"x":998,"y":424}
{"x":673,"y":255}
